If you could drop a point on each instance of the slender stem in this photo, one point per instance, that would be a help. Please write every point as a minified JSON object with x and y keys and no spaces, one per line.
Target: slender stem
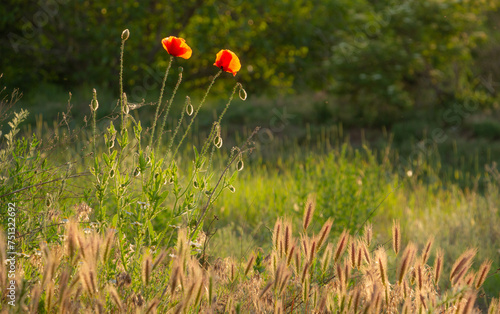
{"x":171,"y":142}
{"x":159,"y":101}
{"x":121,"y":85}
{"x":196,"y":112}
{"x":168,"y":109}
{"x":229,"y":102}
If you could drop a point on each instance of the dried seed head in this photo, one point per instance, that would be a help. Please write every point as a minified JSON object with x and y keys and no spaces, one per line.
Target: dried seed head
{"x":482,"y":273}
{"x":108,"y":242}
{"x":419,"y":275}
{"x":327,"y":255}
{"x":381,"y":259}
{"x":174,"y":277}
{"x":461,"y":266}
{"x":356,"y":299}
{"x":469,"y":279}
{"x":341,"y":245}
{"x":352,"y":254}
{"x":406,"y":261}
{"x":277,"y":233}
{"x":396,"y":236}
{"x":266,"y":288}
{"x":115,"y":297}
{"x":151,"y":308}
{"x":290,"y":254}
{"x":312,"y":253}
{"x":325,"y":231}
{"x":159,"y":259}
{"x":309,"y":211}
{"x":368,"y":233}
{"x":438,"y":265}
{"x":469,"y":305}
{"x":304,"y":273}
{"x":288,"y":237}
{"x":427,"y":249}
{"x":249,"y":264}
{"x":297,"y":262}
{"x":359,"y":256}
{"x":147,"y":265}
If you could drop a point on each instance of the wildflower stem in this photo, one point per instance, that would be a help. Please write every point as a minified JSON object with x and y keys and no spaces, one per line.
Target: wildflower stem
{"x":196,"y":112}
{"x":122,"y":110}
{"x":168,"y":109}
{"x":171,"y":142}
{"x":159,"y":101}
{"x":229,"y":102}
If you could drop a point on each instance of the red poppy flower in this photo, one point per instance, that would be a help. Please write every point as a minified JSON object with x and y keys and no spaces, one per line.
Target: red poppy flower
{"x":177,"y":47}
{"x":228,"y":61}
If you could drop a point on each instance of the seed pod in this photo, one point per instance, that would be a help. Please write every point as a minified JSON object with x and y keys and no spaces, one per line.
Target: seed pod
{"x":242,"y":93}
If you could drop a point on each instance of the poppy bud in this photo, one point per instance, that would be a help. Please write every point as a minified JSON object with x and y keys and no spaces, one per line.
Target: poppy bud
{"x":125,"y":34}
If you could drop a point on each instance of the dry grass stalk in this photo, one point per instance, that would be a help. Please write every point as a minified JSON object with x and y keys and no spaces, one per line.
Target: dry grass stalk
{"x":406,"y":261}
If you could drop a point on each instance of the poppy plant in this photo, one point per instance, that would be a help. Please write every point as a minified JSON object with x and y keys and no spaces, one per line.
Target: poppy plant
{"x":177,"y":47}
{"x":228,"y":61}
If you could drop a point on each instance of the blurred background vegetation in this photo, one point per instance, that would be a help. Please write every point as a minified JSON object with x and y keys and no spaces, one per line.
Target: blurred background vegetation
{"x":379,"y":60}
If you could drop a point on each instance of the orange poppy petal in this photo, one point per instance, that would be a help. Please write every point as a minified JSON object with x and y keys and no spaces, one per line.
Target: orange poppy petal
{"x":177,"y":47}
{"x":228,"y":61}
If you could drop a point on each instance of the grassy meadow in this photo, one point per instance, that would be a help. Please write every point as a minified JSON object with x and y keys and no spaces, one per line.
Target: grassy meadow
{"x":301,"y":184}
{"x":133,"y":245}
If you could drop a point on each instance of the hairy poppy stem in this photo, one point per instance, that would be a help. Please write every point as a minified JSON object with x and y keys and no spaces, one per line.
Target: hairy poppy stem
{"x":159,"y":101}
{"x":168,"y":109}
{"x":196,"y":113}
{"x":121,"y":84}
{"x":171,"y":142}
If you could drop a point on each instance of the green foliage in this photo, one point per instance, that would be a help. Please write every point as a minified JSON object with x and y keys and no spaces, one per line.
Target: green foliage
{"x":489,"y":129}
{"x":396,"y":55}
{"x":381,"y":57}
